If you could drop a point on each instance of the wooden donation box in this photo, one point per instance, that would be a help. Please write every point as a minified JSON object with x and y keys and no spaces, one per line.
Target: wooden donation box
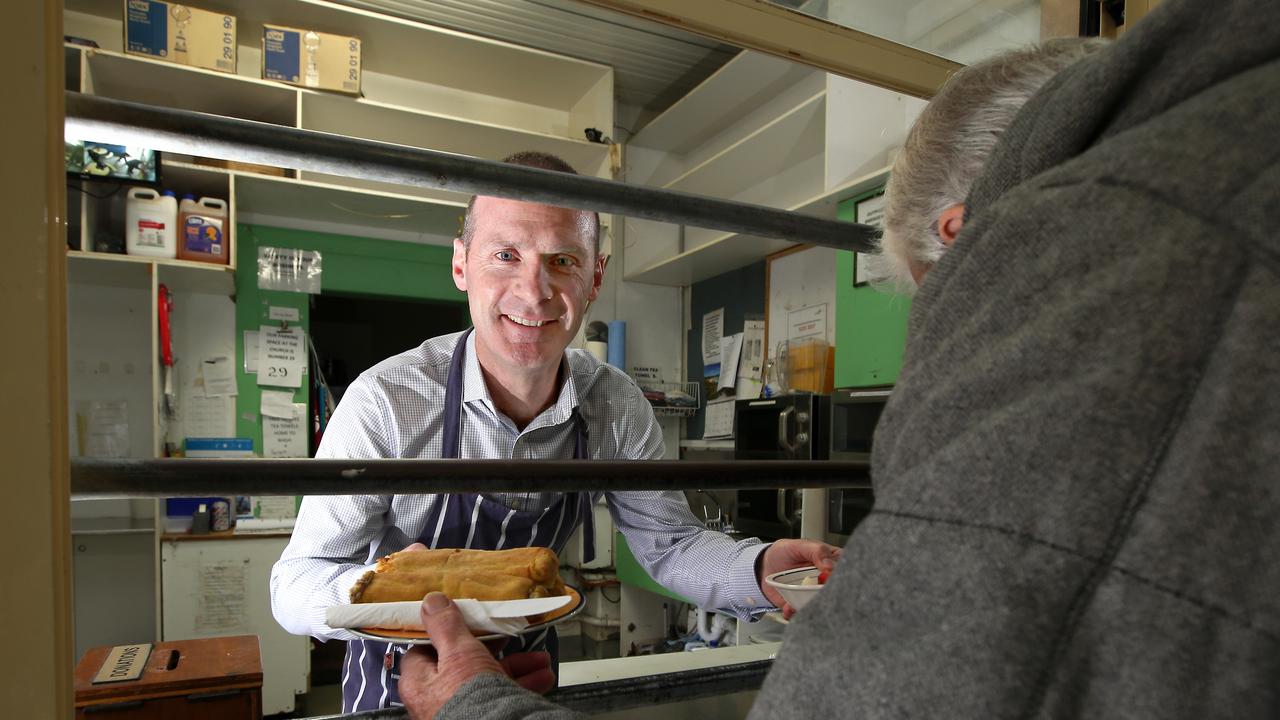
{"x":214,"y":679}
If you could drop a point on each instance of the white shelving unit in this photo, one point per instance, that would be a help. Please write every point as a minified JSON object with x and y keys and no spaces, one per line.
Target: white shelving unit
{"x":727,"y":251}
{"x":732,"y":92}
{"x":93,"y":268}
{"x":763,"y":131}
{"x":374,"y":120}
{"x":423,"y":86}
{"x":140,"y":79}
{"x":265,"y":200}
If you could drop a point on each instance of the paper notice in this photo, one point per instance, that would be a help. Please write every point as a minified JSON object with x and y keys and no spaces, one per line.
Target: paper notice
{"x":106,"y":431}
{"x":251,"y":352}
{"x":219,"y":377}
{"x":868,"y":212}
{"x":648,"y":378}
{"x":221,"y":603}
{"x":207,"y":417}
{"x":809,"y":322}
{"x":281,"y":356}
{"x":752,"y":361}
{"x":278,"y":404}
{"x":285,"y":437}
{"x":283,"y":313}
{"x":730,"y":352}
{"x":289,"y":270}
{"x":712,"y":331}
{"x":275,"y":507}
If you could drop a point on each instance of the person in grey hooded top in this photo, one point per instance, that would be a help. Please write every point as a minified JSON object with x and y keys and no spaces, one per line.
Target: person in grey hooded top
{"x":1078,"y":477}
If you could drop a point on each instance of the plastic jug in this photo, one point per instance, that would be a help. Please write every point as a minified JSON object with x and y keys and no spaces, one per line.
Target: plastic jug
{"x":801,"y":366}
{"x":203,"y":228}
{"x":186,"y":205}
{"x":151,"y":223}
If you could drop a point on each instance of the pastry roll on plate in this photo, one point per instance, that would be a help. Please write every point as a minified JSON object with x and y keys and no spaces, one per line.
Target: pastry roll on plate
{"x":478,"y":574}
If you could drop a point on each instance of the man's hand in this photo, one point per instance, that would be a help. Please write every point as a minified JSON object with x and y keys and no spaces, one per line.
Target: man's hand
{"x":431,"y":675}
{"x":787,"y":554}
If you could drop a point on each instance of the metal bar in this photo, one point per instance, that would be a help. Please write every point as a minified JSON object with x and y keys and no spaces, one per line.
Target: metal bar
{"x":650,"y":690}
{"x":189,"y":477}
{"x":183,"y":131}
{"x":795,"y":36}
{"x":627,"y":693}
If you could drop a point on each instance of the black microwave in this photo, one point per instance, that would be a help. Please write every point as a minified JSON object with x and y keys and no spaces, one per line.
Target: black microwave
{"x":788,"y":427}
{"x":854,"y":415}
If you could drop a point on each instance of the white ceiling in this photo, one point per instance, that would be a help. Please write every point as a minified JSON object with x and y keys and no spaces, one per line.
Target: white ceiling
{"x":654,"y":65}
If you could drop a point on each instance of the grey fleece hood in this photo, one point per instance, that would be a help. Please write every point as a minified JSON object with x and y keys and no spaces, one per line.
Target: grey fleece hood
{"x":1077,"y":483}
{"x":1186,"y":50}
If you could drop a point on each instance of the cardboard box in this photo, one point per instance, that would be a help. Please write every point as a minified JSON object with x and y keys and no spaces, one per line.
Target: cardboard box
{"x":311,"y":59}
{"x":180,"y":34}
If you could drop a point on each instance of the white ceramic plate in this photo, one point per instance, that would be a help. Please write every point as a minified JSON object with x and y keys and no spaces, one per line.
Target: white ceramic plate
{"x":420,"y":637}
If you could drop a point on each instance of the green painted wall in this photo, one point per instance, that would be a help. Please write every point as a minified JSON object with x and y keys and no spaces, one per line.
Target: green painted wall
{"x":871,"y":325}
{"x":350,"y":265}
{"x":631,"y":573}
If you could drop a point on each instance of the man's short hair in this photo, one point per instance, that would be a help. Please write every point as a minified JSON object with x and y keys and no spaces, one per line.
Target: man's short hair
{"x":590,"y":225}
{"x":950,"y":142}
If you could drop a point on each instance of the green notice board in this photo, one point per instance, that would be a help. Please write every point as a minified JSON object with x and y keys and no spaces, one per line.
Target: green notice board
{"x":871,"y":324}
{"x":631,"y":573}
{"x":349,"y":265}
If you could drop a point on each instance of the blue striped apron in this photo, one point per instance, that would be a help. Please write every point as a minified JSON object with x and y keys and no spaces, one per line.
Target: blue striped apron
{"x":372,"y":669}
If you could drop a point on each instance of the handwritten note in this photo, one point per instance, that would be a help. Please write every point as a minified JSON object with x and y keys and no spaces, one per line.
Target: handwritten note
{"x":285,"y":437}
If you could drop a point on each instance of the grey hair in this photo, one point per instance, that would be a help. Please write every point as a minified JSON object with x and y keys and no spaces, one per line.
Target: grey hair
{"x":588,"y":222}
{"x":950,"y":142}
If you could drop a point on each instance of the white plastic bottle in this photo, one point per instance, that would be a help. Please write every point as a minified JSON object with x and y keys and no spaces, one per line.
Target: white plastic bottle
{"x":151,"y":223}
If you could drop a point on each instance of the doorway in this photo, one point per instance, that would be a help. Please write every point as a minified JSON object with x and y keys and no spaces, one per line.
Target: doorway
{"x":352,"y":333}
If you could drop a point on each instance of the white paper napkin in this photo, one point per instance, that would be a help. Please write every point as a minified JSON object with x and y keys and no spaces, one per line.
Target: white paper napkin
{"x":499,"y":617}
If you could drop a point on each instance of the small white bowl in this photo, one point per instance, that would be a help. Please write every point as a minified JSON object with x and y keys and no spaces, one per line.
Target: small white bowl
{"x":788,"y":584}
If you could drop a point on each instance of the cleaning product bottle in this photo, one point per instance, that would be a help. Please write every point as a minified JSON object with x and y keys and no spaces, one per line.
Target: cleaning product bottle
{"x":203,"y":228}
{"x":151,"y":221}
{"x":186,"y":205}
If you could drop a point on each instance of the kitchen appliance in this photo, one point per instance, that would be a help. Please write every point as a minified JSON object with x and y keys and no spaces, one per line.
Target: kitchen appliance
{"x":854,"y":415}
{"x":846,"y":507}
{"x":787,"y":427}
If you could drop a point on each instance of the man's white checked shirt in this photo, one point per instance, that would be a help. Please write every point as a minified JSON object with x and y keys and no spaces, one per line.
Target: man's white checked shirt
{"x":395,"y":409}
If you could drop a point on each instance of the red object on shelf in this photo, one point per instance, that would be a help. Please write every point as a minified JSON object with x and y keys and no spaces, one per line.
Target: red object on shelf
{"x":166,"y":342}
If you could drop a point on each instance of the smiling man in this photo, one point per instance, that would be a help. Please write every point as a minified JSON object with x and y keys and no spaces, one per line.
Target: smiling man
{"x":529,"y":273}
{"x":509,"y":389}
